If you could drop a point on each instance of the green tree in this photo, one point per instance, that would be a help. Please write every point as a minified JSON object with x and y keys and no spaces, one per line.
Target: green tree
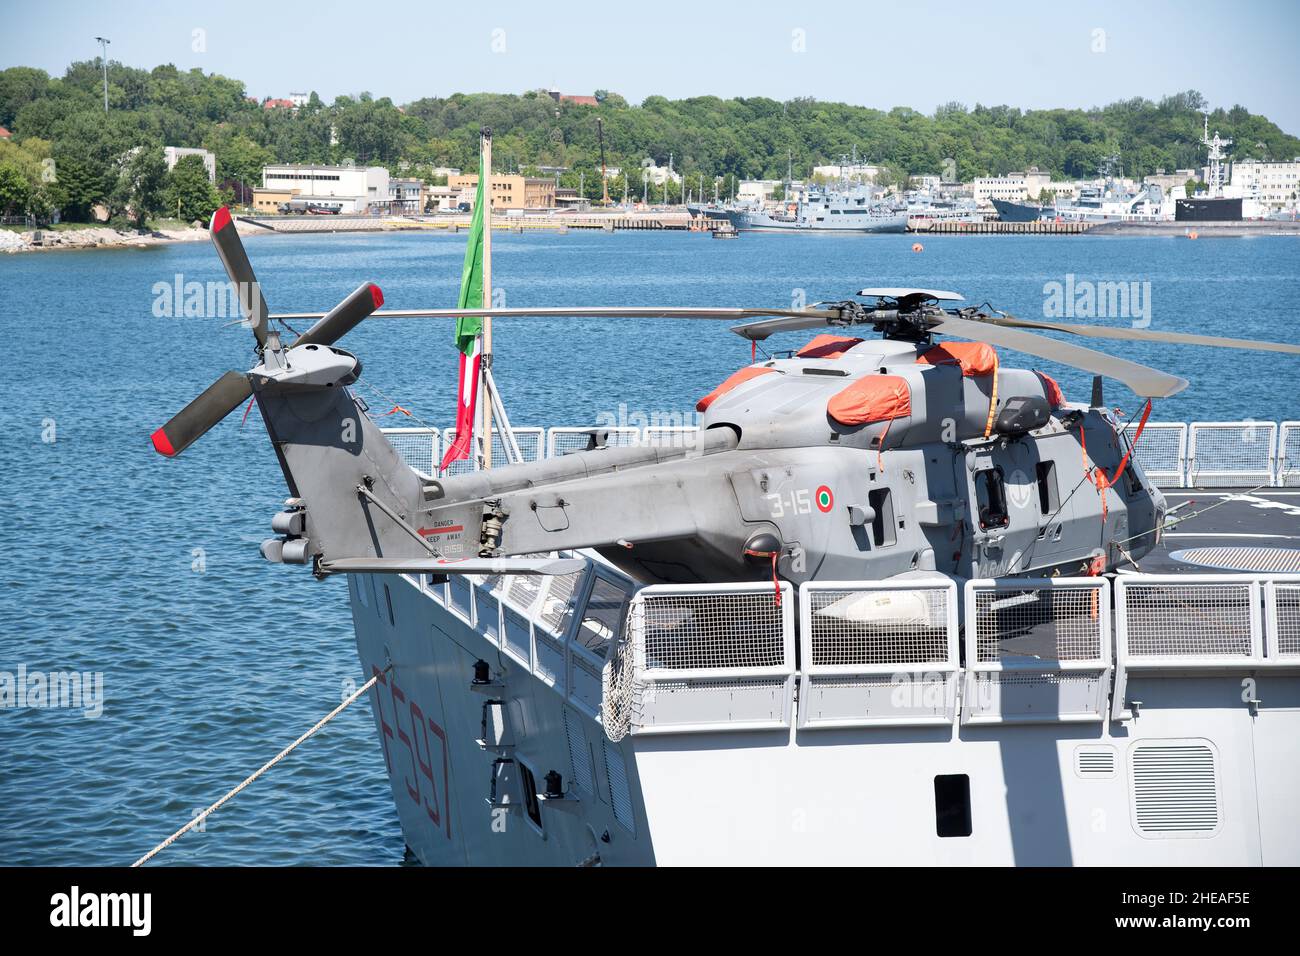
{"x":138,"y":193}
{"x":188,"y":194}
{"x":14,"y":189}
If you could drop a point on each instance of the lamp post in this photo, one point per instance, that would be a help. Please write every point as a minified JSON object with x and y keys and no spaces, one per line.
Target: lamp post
{"x":103,"y":59}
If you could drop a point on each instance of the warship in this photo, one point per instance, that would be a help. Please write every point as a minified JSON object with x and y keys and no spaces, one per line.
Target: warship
{"x":892,"y":601}
{"x":852,"y":210}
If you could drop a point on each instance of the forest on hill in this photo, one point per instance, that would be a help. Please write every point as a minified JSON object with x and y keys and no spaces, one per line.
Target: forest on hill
{"x":66,"y":153}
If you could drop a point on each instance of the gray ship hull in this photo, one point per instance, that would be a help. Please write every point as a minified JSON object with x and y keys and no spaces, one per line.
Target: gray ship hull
{"x":863,"y":223}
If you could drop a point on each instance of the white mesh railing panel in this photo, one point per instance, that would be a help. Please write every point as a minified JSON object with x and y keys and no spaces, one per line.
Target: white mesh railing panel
{"x":562,"y":441}
{"x":418,"y":447}
{"x":1283,"y":612}
{"x":858,"y":626}
{"x":702,"y":657}
{"x":1027,"y":626}
{"x":1288,"y":455}
{"x":1037,"y":650}
{"x":710,"y":631}
{"x":1161,"y":452}
{"x":1191,"y":620}
{"x":878,"y":653}
{"x":1231,"y":454}
{"x":531,"y":441}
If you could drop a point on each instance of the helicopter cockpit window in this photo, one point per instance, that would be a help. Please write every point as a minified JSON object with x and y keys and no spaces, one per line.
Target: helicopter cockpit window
{"x":991,"y":499}
{"x":602,"y":619}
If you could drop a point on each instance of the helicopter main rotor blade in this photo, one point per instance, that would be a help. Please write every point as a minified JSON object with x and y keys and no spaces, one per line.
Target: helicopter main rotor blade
{"x":1144,"y":335}
{"x":230,"y":249}
{"x":1145,"y":381}
{"x":344,"y":317}
{"x":816,"y":317}
{"x":189,"y":424}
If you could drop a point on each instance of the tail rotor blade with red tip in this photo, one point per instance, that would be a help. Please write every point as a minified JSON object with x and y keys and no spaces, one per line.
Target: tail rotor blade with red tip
{"x":231,"y":250}
{"x":217,"y":401}
{"x":344,"y":317}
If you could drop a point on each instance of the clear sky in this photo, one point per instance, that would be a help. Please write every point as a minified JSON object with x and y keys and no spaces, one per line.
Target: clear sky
{"x":916,"y":53}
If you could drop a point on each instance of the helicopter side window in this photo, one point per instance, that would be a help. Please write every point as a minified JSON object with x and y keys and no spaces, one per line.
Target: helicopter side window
{"x":991,"y":499}
{"x":883,"y":531}
{"x":1048,"y":496}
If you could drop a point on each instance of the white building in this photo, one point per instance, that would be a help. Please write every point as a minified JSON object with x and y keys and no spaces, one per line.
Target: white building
{"x":987,"y":188}
{"x":173,"y":153}
{"x":863,"y":172}
{"x":758,"y":189}
{"x":658,"y":175}
{"x":358,"y":187}
{"x":1275,"y":185}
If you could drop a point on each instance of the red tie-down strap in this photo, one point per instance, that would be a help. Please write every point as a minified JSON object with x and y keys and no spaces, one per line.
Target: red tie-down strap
{"x":776,"y":581}
{"x":1095,"y":472}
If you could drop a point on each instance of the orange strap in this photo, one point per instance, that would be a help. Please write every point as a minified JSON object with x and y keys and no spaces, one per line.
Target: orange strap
{"x":881,"y":446}
{"x":776,"y":582}
{"x":1099,"y":477}
{"x":993,"y":399}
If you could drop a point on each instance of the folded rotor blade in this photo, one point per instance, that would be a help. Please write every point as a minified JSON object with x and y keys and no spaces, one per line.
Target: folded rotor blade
{"x":216,"y":402}
{"x":455,"y":566}
{"x":231,"y":251}
{"x":818,"y":316}
{"x":1145,"y":381}
{"x":1144,"y":335}
{"x":344,"y":317}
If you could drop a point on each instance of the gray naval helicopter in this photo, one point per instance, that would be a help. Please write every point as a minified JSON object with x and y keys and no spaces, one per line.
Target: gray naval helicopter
{"x":848,"y":459}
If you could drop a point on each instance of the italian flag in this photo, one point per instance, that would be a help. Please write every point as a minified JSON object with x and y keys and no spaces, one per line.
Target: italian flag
{"x":468,"y":331}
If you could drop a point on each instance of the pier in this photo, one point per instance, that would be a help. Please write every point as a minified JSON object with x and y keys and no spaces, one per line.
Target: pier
{"x":999,"y":228}
{"x":678,"y":222}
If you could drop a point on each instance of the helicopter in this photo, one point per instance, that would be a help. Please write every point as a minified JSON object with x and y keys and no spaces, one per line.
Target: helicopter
{"x":849,"y":458}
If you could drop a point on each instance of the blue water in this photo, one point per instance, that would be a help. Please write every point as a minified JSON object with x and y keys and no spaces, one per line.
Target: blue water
{"x":117,"y":561}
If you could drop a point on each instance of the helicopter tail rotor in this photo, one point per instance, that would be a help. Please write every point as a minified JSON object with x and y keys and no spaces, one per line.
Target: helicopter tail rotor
{"x":233,"y":388}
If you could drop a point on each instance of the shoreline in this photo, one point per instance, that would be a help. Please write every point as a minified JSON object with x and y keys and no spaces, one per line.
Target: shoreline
{"x":104,"y":237}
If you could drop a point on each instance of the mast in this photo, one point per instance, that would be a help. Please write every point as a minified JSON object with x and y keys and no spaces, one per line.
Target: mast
{"x":485,"y":362}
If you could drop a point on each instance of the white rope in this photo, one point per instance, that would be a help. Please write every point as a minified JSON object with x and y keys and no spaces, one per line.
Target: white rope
{"x":263,"y":769}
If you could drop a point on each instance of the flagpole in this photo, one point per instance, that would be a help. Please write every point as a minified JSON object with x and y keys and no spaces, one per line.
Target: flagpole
{"x":485,"y":360}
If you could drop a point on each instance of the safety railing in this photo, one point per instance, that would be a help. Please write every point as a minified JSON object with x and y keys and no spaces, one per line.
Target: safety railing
{"x":878,"y":653}
{"x":704,"y":657}
{"x":1161,"y":452}
{"x":1172,"y":454}
{"x":1288,"y":455}
{"x":1201,"y":624}
{"x":722,"y":657}
{"x":1037,"y":650}
{"x":1232,"y":454}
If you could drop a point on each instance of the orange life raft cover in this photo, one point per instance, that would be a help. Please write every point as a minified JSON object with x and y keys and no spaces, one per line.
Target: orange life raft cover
{"x":872,"y":398}
{"x":1055,"y":397}
{"x":975,"y":358}
{"x":827,"y":346}
{"x":734,"y":379}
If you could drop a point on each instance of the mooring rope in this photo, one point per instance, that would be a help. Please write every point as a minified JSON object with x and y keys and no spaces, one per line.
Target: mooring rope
{"x":199,"y":818}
